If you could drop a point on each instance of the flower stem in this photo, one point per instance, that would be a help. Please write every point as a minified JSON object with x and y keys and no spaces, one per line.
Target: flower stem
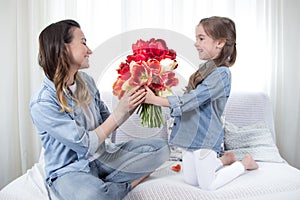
{"x":151,"y":115}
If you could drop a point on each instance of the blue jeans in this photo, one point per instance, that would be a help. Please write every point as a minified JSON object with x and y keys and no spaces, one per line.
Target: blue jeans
{"x":111,"y":174}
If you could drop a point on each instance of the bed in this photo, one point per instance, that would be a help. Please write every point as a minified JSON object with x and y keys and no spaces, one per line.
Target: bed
{"x":249,"y":128}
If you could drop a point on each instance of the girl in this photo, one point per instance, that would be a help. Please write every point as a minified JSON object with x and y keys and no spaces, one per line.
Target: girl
{"x":73,"y":123}
{"x":197,"y":113}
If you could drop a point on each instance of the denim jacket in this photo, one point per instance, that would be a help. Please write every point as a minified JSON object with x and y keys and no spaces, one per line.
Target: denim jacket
{"x":69,"y":141}
{"x":197,"y":114}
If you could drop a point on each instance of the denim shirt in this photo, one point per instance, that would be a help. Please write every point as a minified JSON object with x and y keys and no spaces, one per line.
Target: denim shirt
{"x":197,"y":114}
{"x":67,"y":138}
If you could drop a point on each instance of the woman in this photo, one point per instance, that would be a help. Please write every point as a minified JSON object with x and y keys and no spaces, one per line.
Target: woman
{"x":197,"y":113}
{"x":73,"y":123}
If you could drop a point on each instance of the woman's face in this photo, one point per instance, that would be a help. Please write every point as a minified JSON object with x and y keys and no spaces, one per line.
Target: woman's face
{"x":207,"y":47}
{"x":78,"y":51}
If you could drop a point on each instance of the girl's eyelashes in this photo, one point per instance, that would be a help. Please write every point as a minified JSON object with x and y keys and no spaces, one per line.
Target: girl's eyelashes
{"x":83,"y":41}
{"x":200,"y":38}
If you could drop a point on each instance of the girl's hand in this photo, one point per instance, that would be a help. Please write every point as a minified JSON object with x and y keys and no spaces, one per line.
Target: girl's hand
{"x":150,"y":96}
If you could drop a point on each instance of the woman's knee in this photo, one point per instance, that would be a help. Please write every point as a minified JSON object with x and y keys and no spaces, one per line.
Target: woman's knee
{"x":163,"y":149}
{"x":151,"y":144}
{"x":158,"y":148}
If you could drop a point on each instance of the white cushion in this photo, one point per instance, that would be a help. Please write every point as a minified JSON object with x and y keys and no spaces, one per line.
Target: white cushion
{"x":255,"y":140}
{"x":248,"y":108}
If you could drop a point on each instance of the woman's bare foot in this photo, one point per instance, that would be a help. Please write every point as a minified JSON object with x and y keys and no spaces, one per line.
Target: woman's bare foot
{"x":249,"y":163}
{"x":138,"y":181}
{"x":228,"y":158}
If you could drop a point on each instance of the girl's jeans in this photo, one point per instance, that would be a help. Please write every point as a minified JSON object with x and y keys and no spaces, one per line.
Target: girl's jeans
{"x":112,"y":173}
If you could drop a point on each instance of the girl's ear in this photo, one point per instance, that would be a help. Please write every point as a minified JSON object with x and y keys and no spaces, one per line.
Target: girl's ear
{"x":221,"y":43}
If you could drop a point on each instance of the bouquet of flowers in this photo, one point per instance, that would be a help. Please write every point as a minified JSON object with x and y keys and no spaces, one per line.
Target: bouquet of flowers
{"x":151,"y":64}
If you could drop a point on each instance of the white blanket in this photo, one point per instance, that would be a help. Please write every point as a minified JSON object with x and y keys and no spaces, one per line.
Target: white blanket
{"x":271,"y":181}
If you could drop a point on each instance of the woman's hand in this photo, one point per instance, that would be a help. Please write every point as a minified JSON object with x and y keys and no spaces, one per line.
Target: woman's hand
{"x":121,"y":113}
{"x":134,"y":98}
{"x":128,"y":104}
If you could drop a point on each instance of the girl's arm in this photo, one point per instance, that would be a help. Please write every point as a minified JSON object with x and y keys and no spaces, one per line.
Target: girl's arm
{"x":151,"y":98}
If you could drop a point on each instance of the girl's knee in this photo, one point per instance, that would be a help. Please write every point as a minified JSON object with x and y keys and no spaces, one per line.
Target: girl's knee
{"x":210,"y":186}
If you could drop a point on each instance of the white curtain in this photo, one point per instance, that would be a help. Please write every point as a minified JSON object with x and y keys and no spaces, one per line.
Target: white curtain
{"x":268,"y":57}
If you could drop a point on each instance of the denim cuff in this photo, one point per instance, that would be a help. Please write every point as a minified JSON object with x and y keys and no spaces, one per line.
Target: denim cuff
{"x":175,"y":103}
{"x":93,"y":142}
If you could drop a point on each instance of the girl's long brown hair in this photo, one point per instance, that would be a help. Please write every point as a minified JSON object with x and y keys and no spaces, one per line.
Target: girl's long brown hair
{"x":54,"y":60}
{"x":218,"y":28}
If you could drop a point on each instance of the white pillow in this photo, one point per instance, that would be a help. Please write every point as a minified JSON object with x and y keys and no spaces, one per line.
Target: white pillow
{"x":255,"y":140}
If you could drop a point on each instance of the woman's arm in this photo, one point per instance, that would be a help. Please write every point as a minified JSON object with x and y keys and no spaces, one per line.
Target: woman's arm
{"x":122,"y":112}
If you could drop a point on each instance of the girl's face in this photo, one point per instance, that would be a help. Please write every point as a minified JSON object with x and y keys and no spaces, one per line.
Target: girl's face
{"x":78,"y":51}
{"x":207,"y":47}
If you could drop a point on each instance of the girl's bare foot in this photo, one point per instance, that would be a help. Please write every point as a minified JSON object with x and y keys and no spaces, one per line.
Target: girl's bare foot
{"x":249,"y":163}
{"x":137,"y":181}
{"x":228,"y":158}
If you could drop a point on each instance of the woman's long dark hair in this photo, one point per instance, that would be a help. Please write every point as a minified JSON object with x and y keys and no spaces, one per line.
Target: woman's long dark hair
{"x":54,"y":59}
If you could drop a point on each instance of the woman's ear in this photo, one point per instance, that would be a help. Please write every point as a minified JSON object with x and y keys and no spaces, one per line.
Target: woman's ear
{"x":68,"y":50}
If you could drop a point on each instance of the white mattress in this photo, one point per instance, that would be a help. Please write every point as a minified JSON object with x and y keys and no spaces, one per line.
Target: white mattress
{"x":271,"y":181}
